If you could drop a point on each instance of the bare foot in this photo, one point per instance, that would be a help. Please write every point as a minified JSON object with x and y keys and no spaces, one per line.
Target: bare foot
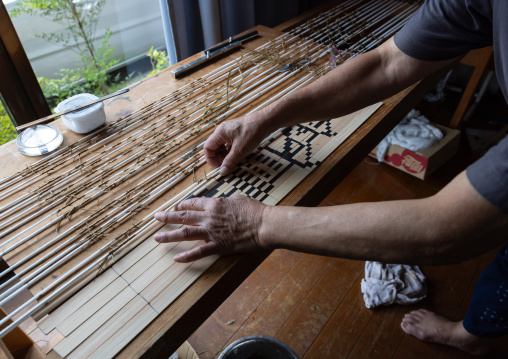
{"x":430,"y":327}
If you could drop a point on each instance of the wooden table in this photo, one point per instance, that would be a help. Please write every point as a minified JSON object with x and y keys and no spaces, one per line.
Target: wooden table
{"x":175,"y":324}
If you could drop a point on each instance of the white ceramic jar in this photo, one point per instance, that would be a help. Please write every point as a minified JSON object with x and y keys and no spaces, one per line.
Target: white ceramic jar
{"x":85,"y":120}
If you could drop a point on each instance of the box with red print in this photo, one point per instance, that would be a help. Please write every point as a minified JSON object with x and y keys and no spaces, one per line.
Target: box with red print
{"x":422,"y":163}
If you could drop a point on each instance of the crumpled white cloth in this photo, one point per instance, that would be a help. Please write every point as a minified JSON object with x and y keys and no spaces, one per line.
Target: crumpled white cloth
{"x":385,"y":284}
{"x":414,"y":133}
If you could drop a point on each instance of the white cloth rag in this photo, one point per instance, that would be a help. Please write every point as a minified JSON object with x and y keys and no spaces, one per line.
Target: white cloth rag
{"x":414,"y":133}
{"x":385,"y":284}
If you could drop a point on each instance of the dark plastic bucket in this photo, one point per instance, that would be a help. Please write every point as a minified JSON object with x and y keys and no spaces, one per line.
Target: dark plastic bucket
{"x":258,"y":347}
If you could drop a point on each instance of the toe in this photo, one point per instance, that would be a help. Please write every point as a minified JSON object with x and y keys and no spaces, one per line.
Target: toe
{"x":420,"y":313}
{"x":408,"y":321}
{"x":407,"y":327}
{"x":413,"y":315}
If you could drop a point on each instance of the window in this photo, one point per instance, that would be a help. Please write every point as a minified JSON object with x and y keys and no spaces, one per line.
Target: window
{"x":73,"y":46}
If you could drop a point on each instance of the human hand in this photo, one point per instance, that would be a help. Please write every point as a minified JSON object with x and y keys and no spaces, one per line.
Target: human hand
{"x":233,"y":140}
{"x":227,"y":225}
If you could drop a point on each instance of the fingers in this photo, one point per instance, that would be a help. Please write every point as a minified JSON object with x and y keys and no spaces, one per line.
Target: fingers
{"x":194,"y":254}
{"x":217,"y":155}
{"x":180,"y":217}
{"x":232,"y":158}
{"x":186,"y":212}
{"x":214,"y":148}
{"x":193,"y":204}
{"x":183,"y":234}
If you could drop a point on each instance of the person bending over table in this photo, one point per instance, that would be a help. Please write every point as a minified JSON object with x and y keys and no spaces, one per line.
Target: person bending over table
{"x":465,"y":219}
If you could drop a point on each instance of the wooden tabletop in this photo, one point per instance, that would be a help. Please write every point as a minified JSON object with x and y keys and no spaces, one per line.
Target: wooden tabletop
{"x":175,"y":324}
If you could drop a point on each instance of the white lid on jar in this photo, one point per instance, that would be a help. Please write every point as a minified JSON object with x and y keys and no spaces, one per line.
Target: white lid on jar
{"x":76,"y":101}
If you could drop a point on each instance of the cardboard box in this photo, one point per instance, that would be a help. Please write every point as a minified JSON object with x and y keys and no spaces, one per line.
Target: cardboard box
{"x":423,"y":162}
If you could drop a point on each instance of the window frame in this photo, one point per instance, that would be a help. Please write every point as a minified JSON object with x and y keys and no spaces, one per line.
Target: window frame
{"x":20,"y":91}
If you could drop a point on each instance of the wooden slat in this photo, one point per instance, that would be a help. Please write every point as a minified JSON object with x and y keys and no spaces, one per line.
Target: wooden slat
{"x":376,"y":189}
{"x":113,"y":297}
{"x":305,"y":324}
{"x":64,"y":310}
{"x":99,"y":318}
{"x":81,"y":298}
{"x":230,"y":316}
{"x":350,"y":186}
{"x":339,"y":337}
{"x":136,"y":312}
{"x":104,"y":344}
{"x":284,"y":300}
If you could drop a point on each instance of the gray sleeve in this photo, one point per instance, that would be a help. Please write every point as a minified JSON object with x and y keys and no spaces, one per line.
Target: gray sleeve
{"x":489,"y":175}
{"x":444,"y":29}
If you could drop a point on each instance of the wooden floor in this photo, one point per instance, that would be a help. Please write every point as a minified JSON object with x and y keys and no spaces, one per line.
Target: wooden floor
{"x":314,"y":303}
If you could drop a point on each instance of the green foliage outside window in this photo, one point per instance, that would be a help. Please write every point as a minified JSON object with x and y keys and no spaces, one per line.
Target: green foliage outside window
{"x":79,"y":18}
{"x":158,"y":59}
{"x":7,"y":130}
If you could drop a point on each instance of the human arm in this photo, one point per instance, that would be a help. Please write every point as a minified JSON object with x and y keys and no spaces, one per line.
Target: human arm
{"x":451,"y":226}
{"x":359,"y":82}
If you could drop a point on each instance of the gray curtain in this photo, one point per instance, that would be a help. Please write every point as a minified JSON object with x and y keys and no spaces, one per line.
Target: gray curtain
{"x":198,"y":24}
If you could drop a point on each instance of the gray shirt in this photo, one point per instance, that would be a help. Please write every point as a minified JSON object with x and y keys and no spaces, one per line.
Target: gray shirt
{"x":444,"y":29}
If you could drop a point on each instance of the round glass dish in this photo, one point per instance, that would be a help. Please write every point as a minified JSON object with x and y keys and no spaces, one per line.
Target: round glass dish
{"x":38,"y":140}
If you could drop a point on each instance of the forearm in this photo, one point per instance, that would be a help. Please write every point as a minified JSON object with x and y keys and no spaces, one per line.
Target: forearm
{"x":351,"y":86}
{"x":383,"y":232}
{"x":364,"y":80}
{"x":359,"y":82}
{"x":454,"y":225}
